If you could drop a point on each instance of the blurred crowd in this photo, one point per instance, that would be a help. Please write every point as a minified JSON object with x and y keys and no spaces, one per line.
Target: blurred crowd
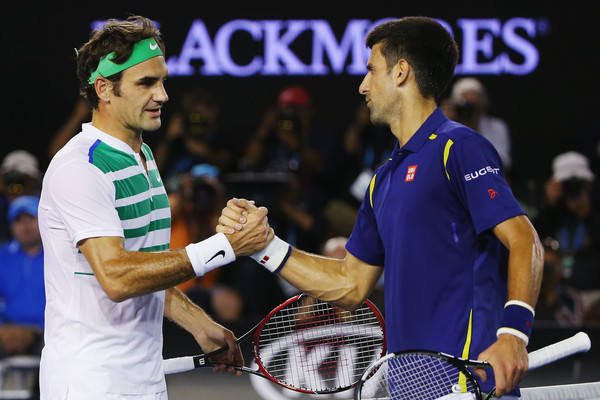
{"x":312,"y":180}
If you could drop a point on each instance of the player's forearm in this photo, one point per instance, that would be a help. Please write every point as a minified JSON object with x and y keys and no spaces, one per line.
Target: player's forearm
{"x":125,"y":274}
{"x":325,"y":278}
{"x":524,"y":277}
{"x":181,"y":310}
{"x":525,"y":267}
{"x":185,"y":313}
{"x":136,"y":273}
{"x":526,"y":259}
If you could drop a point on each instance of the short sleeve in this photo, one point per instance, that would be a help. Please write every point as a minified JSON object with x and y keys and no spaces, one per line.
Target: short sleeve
{"x":84,"y":199}
{"x":365,"y":243}
{"x":476,"y":175}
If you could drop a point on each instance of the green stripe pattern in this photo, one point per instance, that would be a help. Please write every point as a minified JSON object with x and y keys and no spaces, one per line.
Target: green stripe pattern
{"x":141,"y":200}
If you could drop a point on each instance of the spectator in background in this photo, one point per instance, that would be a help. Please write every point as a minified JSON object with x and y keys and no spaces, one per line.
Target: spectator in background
{"x":290,"y":140}
{"x":195,"y":136}
{"x":22,"y":296}
{"x":567,"y":215}
{"x":469,"y":104}
{"x":19,"y":175}
{"x":559,"y":301}
{"x":196,"y":198}
{"x":591,"y":150}
{"x":232,"y":292}
{"x":365,"y":147}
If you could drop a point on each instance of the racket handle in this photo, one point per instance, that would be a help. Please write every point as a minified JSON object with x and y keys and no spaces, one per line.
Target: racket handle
{"x":178,"y":364}
{"x":577,"y":343}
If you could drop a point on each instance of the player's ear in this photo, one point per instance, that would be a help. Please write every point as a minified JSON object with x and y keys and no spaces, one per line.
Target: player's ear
{"x":103,"y":88}
{"x":401,"y":72}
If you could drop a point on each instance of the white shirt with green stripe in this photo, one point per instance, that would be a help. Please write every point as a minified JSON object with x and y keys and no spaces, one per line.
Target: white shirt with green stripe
{"x":97,"y":186}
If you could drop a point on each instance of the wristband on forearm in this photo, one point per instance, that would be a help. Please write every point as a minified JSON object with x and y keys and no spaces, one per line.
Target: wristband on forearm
{"x":274,"y":256}
{"x":517,"y":320}
{"x":210,"y":253}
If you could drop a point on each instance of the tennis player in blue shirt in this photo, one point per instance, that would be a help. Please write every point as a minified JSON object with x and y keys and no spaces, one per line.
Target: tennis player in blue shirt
{"x":462,"y":261}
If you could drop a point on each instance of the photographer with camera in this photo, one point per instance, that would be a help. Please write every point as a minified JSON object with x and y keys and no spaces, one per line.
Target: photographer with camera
{"x":567,"y":214}
{"x":291,"y":142}
{"x":19,"y":175}
{"x":469,"y":105}
{"x":194,"y":136}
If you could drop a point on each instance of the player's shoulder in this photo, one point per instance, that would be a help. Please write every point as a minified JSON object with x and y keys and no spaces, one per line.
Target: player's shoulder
{"x":73,"y":160}
{"x":459,"y":135}
{"x":456,"y":132}
{"x":75,"y":151}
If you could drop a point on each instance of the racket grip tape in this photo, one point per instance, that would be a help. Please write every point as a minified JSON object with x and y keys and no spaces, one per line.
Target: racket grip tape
{"x":178,"y":364}
{"x":575,"y":344}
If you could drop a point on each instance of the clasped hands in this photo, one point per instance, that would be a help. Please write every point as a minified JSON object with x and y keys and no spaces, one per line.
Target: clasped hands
{"x":245,"y":226}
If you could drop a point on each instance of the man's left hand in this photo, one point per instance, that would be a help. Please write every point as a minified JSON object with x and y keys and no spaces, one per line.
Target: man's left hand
{"x":510,"y":361}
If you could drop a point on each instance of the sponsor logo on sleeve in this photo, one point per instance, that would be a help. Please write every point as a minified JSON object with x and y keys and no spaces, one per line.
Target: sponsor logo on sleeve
{"x":481,"y":172}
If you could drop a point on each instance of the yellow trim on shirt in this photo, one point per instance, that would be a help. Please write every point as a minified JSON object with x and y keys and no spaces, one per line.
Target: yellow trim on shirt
{"x":462,"y":380}
{"x":371,"y":187}
{"x":449,"y":144}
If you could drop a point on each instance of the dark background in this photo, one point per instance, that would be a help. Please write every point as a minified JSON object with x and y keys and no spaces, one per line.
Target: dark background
{"x":549,"y":111}
{"x":552,"y":110}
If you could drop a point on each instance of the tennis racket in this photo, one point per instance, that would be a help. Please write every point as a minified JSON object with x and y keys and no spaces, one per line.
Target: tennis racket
{"x":308,"y":345}
{"x":427,"y":375}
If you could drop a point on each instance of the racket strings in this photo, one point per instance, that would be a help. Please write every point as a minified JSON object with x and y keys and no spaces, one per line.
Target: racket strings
{"x":415,"y":376}
{"x":319,"y":347}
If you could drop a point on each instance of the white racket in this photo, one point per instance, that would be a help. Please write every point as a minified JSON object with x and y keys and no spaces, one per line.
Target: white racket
{"x":429,"y":375}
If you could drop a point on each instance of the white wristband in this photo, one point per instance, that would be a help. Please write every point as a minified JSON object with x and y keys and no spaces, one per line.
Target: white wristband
{"x":513,"y":332}
{"x":210,"y":253}
{"x":520,"y":303}
{"x":274,"y":256}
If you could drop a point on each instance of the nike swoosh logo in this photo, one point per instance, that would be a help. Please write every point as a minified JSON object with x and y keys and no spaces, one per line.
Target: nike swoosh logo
{"x":219,"y":253}
{"x":153,"y":47}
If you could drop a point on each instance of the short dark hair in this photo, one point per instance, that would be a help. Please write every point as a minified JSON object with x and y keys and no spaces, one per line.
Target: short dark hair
{"x":425,"y":44}
{"x":114,"y":35}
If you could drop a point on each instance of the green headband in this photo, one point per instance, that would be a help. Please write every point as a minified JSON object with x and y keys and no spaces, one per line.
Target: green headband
{"x":142,"y":51}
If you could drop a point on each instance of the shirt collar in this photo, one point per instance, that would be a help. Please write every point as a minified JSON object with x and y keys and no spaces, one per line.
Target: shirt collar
{"x":422,"y":134}
{"x":88,"y":129}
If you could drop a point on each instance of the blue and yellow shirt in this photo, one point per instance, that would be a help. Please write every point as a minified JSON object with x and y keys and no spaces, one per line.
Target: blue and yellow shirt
{"x":427,"y":219}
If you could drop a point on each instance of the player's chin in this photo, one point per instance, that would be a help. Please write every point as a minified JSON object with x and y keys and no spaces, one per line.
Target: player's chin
{"x":152,"y":124}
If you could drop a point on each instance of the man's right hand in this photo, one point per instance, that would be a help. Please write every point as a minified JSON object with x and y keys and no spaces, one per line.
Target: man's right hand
{"x":246,"y":226}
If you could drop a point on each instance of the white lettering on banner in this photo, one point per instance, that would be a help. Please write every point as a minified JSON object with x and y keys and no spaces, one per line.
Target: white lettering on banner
{"x":197,"y":45}
{"x":222,"y":45}
{"x":481,"y":172}
{"x":487,"y":46}
{"x":520,"y":45}
{"x":489,"y":30}
{"x":352,"y":43}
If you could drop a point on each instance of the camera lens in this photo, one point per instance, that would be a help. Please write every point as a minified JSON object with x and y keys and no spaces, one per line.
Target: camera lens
{"x":464,"y":110}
